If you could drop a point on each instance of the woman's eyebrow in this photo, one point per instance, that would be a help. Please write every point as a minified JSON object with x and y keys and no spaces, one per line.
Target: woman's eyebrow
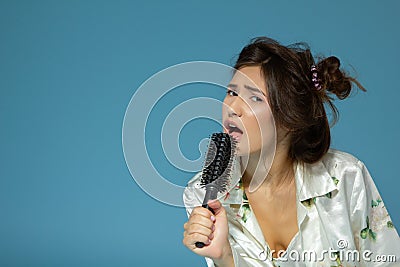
{"x":253,"y":89}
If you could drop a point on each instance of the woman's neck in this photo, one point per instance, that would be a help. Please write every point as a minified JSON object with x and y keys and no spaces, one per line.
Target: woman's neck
{"x":280,"y":174}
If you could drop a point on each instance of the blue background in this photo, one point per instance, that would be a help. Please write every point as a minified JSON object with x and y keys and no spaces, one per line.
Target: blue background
{"x":68,"y":70}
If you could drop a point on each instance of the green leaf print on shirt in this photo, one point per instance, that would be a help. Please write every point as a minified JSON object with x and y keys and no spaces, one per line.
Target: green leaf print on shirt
{"x":274,"y":263}
{"x":244,"y":210}
{"x":309,"y":202}
{"x":245,"y":196}
{"x":367,"y":232}
{"x":375,"y":203}
{"x":338,"y":261}
{"x":336,"y":181}
{"x":378,"y":219}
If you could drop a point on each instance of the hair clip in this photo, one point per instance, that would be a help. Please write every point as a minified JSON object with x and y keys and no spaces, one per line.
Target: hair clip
{"x":314,"y":78}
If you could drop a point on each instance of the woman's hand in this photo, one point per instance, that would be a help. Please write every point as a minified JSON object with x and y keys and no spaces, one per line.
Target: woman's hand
{"x":210,"y":229}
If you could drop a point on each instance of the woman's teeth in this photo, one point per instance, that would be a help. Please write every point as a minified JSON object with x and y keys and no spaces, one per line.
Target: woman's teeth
{"x":233,"y":128}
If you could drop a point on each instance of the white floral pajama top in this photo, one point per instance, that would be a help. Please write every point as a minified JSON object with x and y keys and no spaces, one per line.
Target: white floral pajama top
{"x":341,"y":217}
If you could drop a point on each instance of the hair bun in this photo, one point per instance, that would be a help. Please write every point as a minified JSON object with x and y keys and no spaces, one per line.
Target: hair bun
{"x":334,"y":80}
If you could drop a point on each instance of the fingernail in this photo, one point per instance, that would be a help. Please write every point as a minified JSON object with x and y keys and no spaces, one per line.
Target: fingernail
{"x":211,"y":236}
{"x":213,"y":218}
{"x":213,"y":227}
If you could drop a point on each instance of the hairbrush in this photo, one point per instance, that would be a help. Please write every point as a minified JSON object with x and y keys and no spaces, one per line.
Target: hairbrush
{"x":217,"y":168}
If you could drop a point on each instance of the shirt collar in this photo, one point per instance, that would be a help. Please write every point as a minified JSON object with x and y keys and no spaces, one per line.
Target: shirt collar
{"x":313,"y":180}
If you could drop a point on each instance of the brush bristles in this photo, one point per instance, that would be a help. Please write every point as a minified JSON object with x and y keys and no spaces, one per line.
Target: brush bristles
{"x":218,"y":163}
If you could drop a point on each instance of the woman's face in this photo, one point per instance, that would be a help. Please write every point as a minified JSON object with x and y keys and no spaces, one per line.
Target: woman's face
{"x":246,"y":114}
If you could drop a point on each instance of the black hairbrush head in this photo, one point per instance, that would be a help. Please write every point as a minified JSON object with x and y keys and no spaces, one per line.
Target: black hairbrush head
{"x":218,"y":162}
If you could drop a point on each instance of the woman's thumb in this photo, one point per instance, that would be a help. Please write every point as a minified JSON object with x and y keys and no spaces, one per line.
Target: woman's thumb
{"x":216,"y":206}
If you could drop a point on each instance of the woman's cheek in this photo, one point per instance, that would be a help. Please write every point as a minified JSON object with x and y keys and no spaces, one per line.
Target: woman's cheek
{"x":265,"y":127}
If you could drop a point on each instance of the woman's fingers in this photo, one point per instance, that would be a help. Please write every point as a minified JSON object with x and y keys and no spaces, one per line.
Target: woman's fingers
{"x":190,"y":238}
{"x":196,"y":237}
{"x":199,"y":228}
{"x":202,"y":212}
{"x":200,"y":219}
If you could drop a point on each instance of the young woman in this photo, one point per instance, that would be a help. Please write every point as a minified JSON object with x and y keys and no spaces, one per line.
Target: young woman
{"x":305,"y":204}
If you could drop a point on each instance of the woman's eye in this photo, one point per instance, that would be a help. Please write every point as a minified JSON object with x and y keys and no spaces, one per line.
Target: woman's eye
{"x":231,"y":93}
{"x":255,"y":99}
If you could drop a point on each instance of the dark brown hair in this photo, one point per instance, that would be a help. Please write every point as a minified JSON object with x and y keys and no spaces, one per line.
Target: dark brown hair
{"x":296,"y":104}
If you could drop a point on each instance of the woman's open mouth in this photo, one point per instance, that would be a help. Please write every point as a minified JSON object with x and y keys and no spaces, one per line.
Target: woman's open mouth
{"x":233,"y":129}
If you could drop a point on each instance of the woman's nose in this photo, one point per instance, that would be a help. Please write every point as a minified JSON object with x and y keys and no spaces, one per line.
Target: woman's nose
{"x":236,"y":107}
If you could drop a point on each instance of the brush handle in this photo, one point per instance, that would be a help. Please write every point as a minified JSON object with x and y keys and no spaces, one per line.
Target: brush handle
{"x":211,"y":193}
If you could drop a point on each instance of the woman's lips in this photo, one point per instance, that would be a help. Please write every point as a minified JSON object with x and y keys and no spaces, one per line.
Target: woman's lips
{"x":233,"y":130}
{"x":236,"y":135}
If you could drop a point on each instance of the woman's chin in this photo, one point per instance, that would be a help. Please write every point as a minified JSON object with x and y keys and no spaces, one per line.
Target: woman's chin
{"x":242,"y":149}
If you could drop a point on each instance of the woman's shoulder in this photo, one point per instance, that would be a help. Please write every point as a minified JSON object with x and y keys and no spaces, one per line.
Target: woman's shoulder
{"x":347,"y":169}
{"x":338,"y":156}
{"x":336,"y":159}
